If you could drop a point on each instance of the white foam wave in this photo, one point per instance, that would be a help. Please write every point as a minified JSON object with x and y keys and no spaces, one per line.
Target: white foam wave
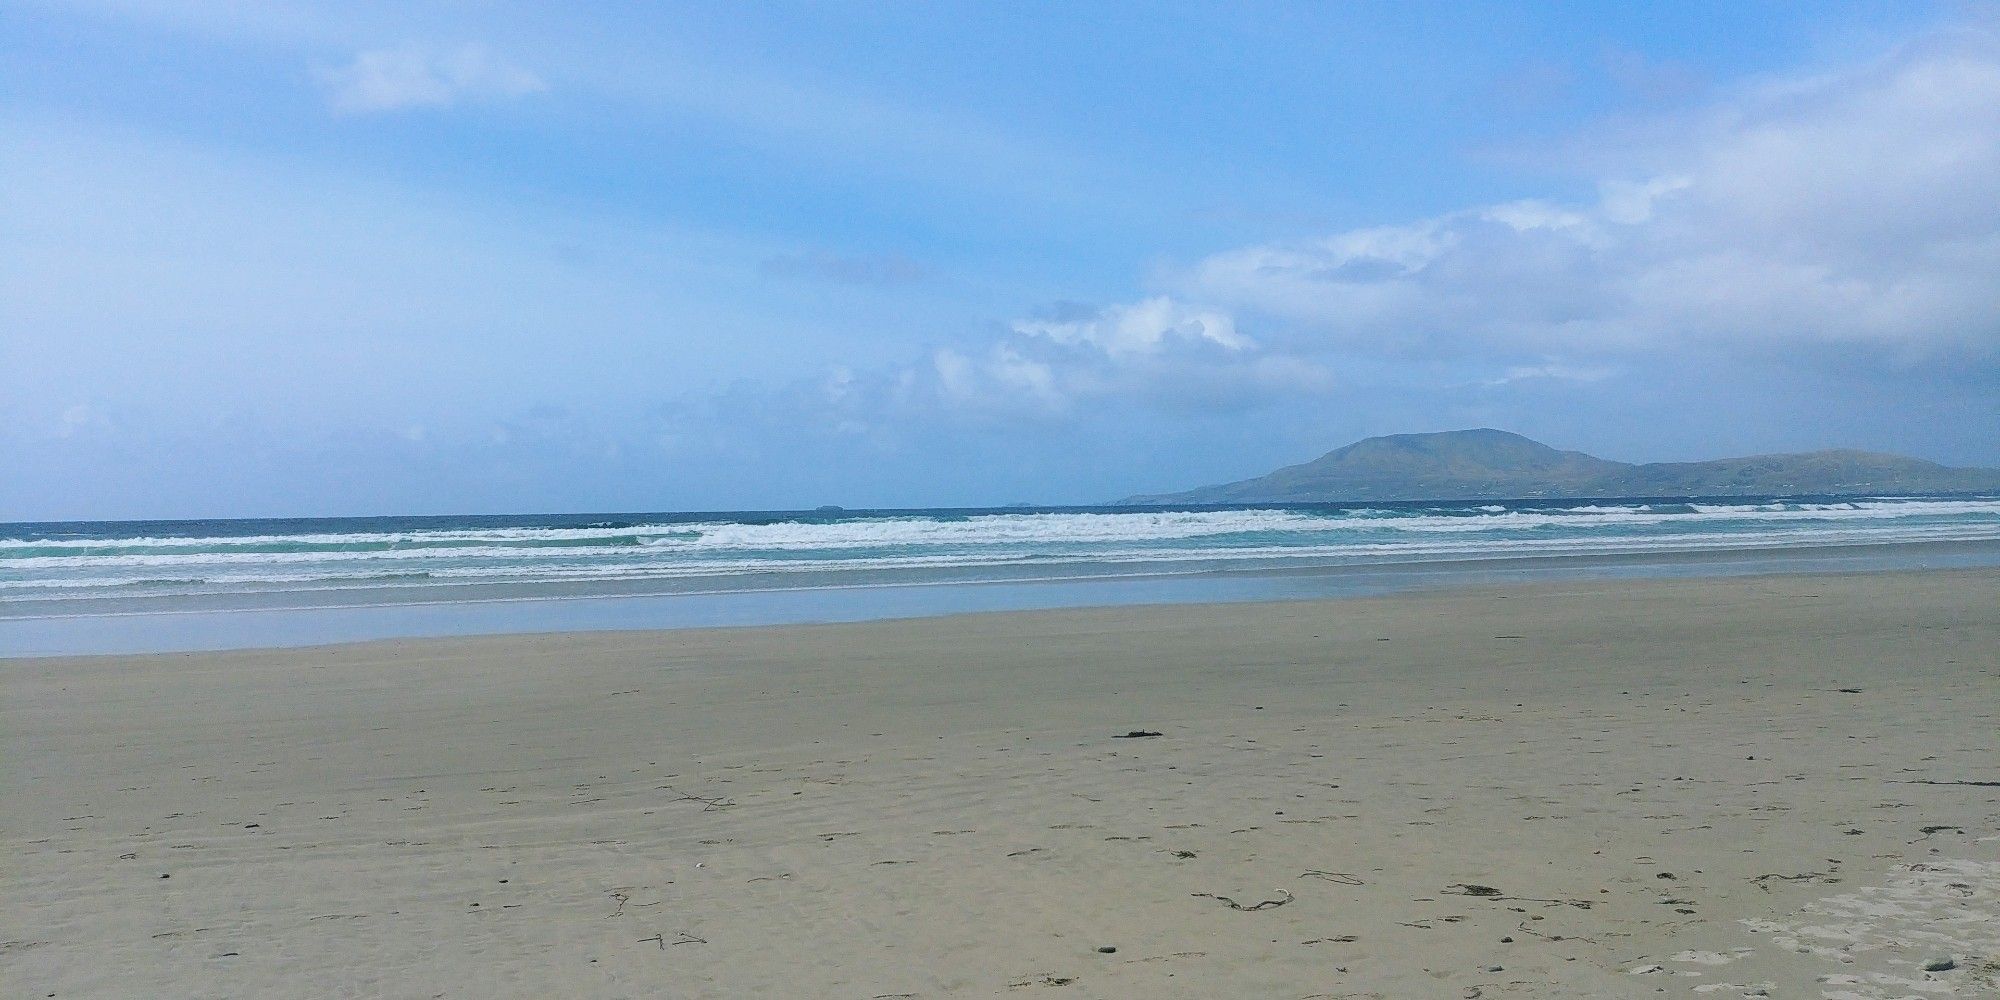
{"x":989,"y":529}
{"x":344,"y":575}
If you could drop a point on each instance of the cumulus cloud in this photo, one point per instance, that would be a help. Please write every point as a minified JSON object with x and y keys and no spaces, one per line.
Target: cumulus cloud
{"x":1159,"y":348}
{"x":1858,"y":209}
{"x":415,"y":76}
{"x":1140,"y":329}
{"x":1065,"y":360}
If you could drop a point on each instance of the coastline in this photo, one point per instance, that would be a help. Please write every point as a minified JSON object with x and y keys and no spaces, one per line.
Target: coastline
{"x":109,"y":627}
{"x":1772,"y":782}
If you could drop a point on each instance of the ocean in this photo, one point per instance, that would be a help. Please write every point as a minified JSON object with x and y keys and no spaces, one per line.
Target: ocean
{"x":62,"y":582}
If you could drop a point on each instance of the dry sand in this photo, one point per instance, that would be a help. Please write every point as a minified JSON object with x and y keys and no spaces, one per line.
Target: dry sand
{"x":1666,"y":786}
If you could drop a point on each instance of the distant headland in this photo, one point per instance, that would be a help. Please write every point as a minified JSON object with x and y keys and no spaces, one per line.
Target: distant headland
{"x":1488,"y":463}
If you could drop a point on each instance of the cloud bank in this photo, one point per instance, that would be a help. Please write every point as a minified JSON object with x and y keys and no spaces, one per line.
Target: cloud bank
{"x":1857,"y":210}
{"x":1854,"y":214}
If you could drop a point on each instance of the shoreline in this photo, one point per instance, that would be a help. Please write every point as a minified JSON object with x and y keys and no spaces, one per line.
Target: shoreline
{"x":1702,"y":786}
{"x":202,"y":629}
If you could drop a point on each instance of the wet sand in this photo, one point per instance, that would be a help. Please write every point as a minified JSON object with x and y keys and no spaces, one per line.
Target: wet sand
{"x":1591,"y":789}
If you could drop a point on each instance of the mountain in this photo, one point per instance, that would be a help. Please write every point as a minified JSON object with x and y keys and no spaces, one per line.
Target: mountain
{"x":1486,"y":463}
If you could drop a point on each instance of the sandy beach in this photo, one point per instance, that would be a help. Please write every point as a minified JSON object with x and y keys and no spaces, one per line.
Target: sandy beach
{"x":1772,"y":786}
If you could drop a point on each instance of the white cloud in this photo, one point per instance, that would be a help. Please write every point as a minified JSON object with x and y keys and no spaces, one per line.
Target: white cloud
{"x":414,"y":76}
{"x":1629,"y":202}
{"x":1159,"y":348}
{"x":1056,"y":366}
{"x":1141,"y":328}
{"x":1859,"y":209}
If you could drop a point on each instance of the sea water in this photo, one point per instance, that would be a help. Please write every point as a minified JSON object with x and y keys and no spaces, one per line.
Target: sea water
{"x":364,"y":577}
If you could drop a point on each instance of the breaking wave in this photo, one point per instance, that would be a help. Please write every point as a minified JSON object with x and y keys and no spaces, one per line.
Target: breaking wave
{"x":51,"y":563}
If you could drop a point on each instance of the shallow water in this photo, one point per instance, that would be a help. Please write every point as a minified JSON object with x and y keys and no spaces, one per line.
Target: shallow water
{"x":524,"y":610}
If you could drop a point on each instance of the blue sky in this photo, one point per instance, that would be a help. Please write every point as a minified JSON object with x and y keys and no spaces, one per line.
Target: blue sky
{"x":271,"y":259}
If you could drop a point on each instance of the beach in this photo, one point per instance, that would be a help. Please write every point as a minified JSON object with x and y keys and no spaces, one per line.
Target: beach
{"x":1774,"y":785}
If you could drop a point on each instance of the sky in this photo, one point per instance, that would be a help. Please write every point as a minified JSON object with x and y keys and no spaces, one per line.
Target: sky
{"x":297,"y":259}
